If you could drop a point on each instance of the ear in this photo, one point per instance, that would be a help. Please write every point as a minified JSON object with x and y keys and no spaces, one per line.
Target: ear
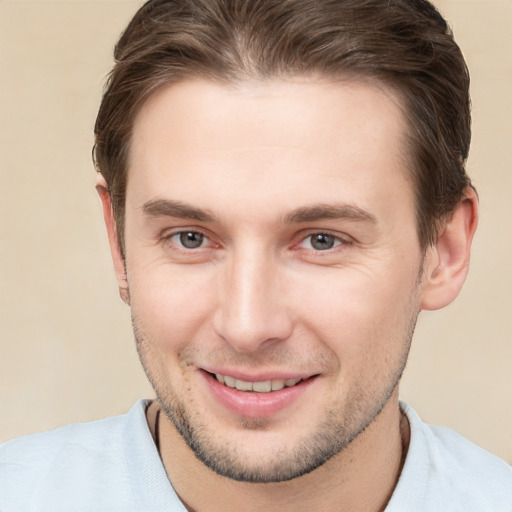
{"x":113,"y":238}
{"x":447,"y":262}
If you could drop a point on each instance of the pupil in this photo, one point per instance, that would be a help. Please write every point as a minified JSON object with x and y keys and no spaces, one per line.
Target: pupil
{"x":191,"y":240}
{"x":322,"y":242}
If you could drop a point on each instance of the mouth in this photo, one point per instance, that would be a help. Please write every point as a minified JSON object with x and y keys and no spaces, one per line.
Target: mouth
{"x":257,"y":398}
{"x":266,"y":386}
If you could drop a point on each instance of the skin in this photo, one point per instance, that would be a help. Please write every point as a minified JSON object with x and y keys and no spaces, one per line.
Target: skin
{"x":257,"y":171}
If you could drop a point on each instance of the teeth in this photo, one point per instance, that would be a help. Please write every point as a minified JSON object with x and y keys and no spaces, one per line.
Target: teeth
{"x":260,"y":387}
{"x":277,"y":385}
{"x":243,"y":386}
{"x":229,"y":381}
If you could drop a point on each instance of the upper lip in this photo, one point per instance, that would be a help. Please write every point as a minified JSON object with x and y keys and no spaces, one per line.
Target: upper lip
{"x":260,"y":376}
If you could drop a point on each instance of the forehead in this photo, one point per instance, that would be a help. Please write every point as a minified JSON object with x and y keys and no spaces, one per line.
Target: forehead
{"x":277,"y":143}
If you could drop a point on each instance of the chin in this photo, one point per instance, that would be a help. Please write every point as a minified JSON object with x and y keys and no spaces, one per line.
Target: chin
{"x":259,"y":453}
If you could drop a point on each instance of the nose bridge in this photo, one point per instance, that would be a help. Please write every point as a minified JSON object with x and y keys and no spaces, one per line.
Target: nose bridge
{"x":251,"y":307}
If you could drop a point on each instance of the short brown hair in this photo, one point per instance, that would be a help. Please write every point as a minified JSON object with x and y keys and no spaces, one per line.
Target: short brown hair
{"x":405,"y":44}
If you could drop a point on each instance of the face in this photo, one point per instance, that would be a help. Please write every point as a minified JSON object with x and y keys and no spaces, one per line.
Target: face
{"x":273,"y":266}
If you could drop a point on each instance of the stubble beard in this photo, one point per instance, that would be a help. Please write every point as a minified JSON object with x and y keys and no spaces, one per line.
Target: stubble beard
{"x":339,"y":428}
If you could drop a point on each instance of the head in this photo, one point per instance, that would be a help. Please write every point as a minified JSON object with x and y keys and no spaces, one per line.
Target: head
{"x":402,"y":44}
{"x":284,"y":190}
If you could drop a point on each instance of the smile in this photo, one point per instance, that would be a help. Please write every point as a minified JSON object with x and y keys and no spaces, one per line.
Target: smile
{"x":257,"y":398}
{"x":265,"y":386}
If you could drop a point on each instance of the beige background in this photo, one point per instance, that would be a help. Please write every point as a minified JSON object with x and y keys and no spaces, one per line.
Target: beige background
{"x":66,"y":349}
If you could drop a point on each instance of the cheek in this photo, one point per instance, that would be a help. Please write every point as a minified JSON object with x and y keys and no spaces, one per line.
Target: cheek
{"x":171,"y":303}
{"x":360,"y":316}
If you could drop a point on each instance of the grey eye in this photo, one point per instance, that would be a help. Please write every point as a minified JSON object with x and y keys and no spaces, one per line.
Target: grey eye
{"x":191,"y":239}
{"x":322,"y":241}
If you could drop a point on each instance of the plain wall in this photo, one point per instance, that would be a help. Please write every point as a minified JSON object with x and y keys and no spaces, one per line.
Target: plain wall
{"x":66,"y":348}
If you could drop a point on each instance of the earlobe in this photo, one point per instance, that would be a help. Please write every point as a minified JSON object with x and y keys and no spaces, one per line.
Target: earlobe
{"x":447,"y":262}
{"x":113,"y":238}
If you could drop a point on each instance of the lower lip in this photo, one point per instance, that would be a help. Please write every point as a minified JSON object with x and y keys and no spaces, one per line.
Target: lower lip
{"x":252,"y":404}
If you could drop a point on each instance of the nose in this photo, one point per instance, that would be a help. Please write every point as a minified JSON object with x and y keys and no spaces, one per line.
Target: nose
{"x":252,"y":310}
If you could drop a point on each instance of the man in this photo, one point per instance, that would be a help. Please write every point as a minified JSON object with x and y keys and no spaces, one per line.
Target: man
{"x":283,"y":187}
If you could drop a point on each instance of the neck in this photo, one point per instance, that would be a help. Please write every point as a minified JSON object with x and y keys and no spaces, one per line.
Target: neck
{"x":361,"y":476}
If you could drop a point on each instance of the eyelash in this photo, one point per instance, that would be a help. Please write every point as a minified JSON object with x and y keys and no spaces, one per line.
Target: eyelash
{"x":336,"y":240}
{"x":181,"y":247}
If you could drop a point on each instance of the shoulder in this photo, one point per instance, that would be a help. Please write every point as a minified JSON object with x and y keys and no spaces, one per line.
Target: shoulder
{"x":445,"y":471}
{"x":84,"y":459}
{"x":33,"y":446}
{"x":462,"y":461}
{"x":450,"y":449}
{"x":35,"y":450}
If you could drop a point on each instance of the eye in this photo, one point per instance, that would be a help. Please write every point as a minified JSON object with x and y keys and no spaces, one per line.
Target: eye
{"x":189,"y":239}
{"x":321,"y":241}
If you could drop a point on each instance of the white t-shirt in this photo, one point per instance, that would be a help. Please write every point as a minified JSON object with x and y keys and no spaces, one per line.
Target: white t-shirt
{"x":112,"y":465}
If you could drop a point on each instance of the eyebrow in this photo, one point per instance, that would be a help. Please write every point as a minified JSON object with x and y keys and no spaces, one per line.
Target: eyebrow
{"x":329,"y":211}
{"x":178,"y":209}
